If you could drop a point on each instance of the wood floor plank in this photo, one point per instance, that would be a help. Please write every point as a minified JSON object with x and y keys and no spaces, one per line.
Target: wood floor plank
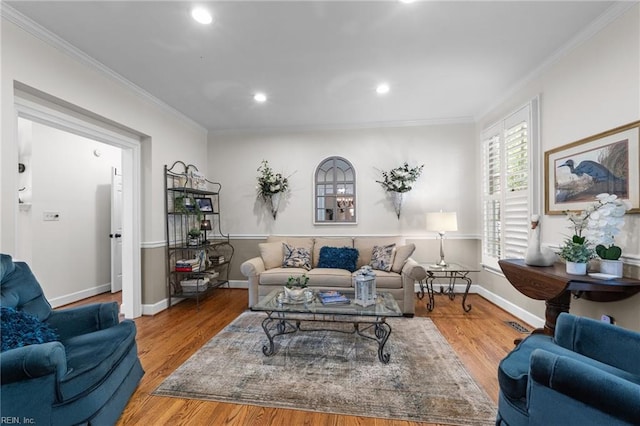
{"x":480,"y":339}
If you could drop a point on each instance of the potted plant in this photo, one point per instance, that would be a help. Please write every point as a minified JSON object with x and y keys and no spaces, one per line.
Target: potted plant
{"x":577,"y":251}
{"x":398,"y":181}
{"x":603,"y":224}
{"x":193,"y":236}
{"x":296,"y":287}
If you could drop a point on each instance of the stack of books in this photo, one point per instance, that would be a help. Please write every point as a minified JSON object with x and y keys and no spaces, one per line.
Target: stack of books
{"x":332,"y":297}
{"x":188,"y":265}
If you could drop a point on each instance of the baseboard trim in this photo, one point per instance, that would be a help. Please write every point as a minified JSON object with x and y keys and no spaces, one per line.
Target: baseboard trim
{"x":156,"y":308}
{"x":512,"y":308}
{"x":79,"y":295}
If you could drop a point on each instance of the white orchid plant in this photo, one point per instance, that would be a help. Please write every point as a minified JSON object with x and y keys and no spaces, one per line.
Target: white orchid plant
{"x":270,"y":183}
{"x":604,"y":221}
{"x":597,"y":225}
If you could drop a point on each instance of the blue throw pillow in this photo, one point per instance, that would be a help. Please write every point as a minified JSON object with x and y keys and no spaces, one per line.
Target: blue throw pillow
{"x":340,"y":258}
{"x":21,"y":329}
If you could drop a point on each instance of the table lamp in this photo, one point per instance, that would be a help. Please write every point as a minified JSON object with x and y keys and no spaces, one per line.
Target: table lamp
{"x":441,"y":222}
{"x":205,"y":225}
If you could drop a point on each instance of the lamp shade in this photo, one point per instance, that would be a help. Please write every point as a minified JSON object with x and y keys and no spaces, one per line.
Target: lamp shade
{"x":205,"y":225}
{"x":442,"y":221}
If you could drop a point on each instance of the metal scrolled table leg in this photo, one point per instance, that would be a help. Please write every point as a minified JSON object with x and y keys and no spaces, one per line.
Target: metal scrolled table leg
{"x":432,"y":301}
{"x":270,"y":349}
{"x":382,"y":332}
{"x":466,"y":308}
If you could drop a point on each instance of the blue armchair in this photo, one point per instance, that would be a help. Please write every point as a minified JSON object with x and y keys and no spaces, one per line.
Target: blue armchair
{"x":587,"y":374}
{"x":85,"y":376}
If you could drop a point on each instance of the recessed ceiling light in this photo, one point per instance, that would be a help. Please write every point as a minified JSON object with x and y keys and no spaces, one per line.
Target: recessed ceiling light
{"x":201,"y":15}
{"x":382,"y":89}
{"x":260,"y":97}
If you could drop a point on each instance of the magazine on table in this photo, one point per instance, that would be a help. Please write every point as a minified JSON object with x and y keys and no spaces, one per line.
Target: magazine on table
{"x":332,"y":297}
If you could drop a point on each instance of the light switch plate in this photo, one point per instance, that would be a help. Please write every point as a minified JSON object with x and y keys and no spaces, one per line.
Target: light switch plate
{"x":51,"y":216}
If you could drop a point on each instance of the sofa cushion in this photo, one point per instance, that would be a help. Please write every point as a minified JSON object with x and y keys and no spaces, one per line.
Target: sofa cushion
{"x":20,"y":329}
{"x":296,"y":257}
{"x":339,"y":258}
{"x":271,"y":254}
{"x":402,"y":254}
{"x":328,"y":242}
{"x":330,"y":277}
{"x":382,"y":257}
{"x":365,"y":247}
{"x":388,"y":280}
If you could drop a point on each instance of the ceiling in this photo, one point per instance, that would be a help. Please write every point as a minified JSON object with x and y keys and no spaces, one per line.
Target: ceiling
{"x":319,"y":62}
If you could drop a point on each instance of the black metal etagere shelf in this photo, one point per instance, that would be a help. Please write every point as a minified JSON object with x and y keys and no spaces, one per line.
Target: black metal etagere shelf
{"x":198,"y":252}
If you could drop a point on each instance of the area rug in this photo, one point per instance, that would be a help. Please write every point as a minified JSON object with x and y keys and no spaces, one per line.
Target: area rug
{"x":337,"y":373}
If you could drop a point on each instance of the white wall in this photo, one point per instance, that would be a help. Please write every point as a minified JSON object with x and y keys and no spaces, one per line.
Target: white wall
{"x":73,"y":254}
{"x":166,"y":135}
{"x":447,"y":182}
{"x":591,"y":89}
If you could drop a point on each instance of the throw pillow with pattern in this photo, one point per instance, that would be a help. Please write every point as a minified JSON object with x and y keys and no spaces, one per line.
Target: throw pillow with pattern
{"x":296,"y":257}
{"x":382,"y":257}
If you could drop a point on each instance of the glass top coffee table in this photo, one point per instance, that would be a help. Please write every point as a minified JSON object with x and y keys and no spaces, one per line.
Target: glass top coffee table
{"x":285,"y":317}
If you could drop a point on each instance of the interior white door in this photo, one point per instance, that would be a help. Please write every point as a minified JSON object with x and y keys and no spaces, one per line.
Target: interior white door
{"x":116,"y":230}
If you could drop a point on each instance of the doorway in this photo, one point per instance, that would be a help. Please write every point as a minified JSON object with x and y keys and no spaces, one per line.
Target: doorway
{"x":66,"y":210}
{"x":129,"y":144}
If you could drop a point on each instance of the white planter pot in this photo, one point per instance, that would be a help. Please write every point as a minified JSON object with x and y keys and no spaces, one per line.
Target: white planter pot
{"x":574,"y":268}
{"x":611,"y":267}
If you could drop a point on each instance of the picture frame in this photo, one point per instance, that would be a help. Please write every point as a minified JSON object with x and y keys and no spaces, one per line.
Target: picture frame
{"x":606,"y":162}
{"x":205,"y":205}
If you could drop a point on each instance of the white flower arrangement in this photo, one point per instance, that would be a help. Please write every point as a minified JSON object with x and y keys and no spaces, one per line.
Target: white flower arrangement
{"x":605,"y":219}
{"x":270,"y":183}
{"x":401,"y":178}
{"x":600,"y":223}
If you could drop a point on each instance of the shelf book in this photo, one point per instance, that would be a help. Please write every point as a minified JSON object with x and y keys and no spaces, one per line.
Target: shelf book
{"x":332,"y":298}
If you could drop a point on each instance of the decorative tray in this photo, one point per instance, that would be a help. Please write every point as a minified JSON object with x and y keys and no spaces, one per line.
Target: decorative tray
{"x":308,"y":297}
{"x":602,"y":276}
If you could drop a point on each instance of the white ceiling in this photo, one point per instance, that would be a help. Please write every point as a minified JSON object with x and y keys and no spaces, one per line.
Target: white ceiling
{"x":319,"y":62}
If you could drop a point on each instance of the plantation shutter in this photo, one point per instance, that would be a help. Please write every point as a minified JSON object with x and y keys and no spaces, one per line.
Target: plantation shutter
{"x":508,"y":181}
{"x":516,"y":199}
{"x":492,"y":193}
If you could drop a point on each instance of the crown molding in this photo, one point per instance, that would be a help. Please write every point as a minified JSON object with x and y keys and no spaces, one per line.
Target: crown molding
{"x":611,"y":14}
{"x":38,"y":31}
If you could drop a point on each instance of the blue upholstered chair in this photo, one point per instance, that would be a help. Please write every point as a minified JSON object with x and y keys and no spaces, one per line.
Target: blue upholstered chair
{"x":587,"y":374}
{"x":86,"y":375}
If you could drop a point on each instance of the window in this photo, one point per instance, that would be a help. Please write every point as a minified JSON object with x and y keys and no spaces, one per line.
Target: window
{"x":510,"y":184}
{"x":335,"y":192}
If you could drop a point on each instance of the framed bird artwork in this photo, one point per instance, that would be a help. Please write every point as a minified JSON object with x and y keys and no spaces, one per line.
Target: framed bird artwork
{"x":607,"y":162}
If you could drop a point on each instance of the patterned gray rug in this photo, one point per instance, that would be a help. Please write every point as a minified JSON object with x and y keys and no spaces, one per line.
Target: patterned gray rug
{"x":336,"y":373}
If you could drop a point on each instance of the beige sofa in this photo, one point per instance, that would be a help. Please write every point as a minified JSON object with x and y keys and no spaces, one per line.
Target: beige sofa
{"x":266,"y":272}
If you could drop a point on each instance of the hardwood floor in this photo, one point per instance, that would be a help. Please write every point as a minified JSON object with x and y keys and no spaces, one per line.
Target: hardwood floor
{"x":480,"y":338}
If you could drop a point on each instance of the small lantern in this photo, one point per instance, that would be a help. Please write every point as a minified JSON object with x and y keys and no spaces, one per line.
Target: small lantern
{"x":364,"y":282}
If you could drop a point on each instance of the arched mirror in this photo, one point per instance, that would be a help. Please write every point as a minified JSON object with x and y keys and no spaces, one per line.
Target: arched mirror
{"x":335,"y":192}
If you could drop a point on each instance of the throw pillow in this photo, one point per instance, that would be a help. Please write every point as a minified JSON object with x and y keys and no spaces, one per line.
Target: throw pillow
{"x":296,"y":257}
{"x":402,"y":254}
{"x":19,"y":329}
{"x":382,"y":257}
{"x":271,"y":254}
{"x":340,"y":258}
